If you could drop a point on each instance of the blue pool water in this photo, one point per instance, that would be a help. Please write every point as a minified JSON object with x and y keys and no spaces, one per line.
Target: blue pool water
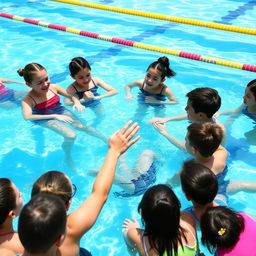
{"x":27,"y":151}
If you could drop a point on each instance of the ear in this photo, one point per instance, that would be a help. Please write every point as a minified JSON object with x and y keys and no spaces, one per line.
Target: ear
{"x":60,"y":240}
{"x":28,"y":84}
{"x":72,"y":76}
{"x":194,"y":150}
{"x":12,"y":214}
{"x":202,"y":115}
{"x":163,"y":80}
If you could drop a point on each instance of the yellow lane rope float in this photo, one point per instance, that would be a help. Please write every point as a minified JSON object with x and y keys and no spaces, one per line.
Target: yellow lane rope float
{"x":149,"y":47}
{"x":237,"y":29}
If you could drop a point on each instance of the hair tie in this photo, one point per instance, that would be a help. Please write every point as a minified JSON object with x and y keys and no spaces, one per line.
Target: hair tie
{"x":222,"y":231}
{"x":160,"y":199}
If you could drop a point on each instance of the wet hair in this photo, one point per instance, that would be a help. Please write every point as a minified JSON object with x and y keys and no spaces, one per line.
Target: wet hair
{"x":205,"y":100}
{"x":221,"y":227}
{"x":198,"y":182}
{"x":29,"y":71}
{"x":77,"y":64}
{"x":7,"y":199}
{"x":252,"y":86}
{"x":42,"y":221}
{"x":55,"y":183}
{"x":163,"y":65}
{"x":205,"y":137}
{"x":160,"y":211}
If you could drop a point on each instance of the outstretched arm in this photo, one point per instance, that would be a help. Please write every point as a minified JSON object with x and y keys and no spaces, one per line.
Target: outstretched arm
{"x":230,"y":112}
{"x":6,"y":80}
{"x":128,"y":88}
{"x":82,"y":219}
{"x":167,"y":119}
{"x":161,"y":128}
{"x":110,"y":90}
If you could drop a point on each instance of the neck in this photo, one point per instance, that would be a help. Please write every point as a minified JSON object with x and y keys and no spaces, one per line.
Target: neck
{"x":200,"y":209}
{"x":252,"y":109}
{"x":203,"y":160}
{"x":6,"y":226}
{"x":53,"y":251}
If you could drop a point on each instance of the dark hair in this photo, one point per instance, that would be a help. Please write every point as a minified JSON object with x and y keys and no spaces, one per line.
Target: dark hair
{"x":205,"y":100}
{"x":205,"y":137}
{"x":77,"y":64}
{"x":42,"y":221}
{"x":7,"y":199}
{"x":29,"y":71}
{"x":160,"y":211}
{"x":53,"y":182}
{"x":198,"y":182}
{"x":220,"y":226}
{"x":163,"y":65}
{"x":252,"y":86}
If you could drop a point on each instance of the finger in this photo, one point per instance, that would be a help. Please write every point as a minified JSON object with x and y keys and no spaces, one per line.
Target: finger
{"x":134,"y":131}
{"x":122,"y":131}
{"x":133,"y":141}
{"x":131,"y":129}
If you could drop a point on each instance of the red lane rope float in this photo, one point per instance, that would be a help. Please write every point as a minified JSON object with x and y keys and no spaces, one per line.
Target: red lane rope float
{"x":149,"y":47}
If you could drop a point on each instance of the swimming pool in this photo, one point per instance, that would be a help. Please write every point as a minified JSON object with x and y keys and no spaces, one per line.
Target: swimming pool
{"x":28,"y":151}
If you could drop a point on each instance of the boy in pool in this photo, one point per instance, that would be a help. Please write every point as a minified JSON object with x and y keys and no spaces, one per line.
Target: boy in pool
{"x":9,"y":97}
{"x":153,"y":91}
{"x":203,"y":142}
{"x":202,"y":104}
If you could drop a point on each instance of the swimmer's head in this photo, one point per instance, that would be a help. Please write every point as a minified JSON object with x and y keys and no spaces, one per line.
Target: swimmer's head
{"x":56,"y":183}
{"x":203,"y":138}
{"x":204,"y":100}
{"x":10,"y":200}
{"x":160,"y":212}
{"x":42,"y":224}
{"x":30,"y":71}
{"x":250,"y":93}
{"x":77,"y":64}
{"x":221,"y":227}
{"x":198,"y":182}
{"x":162,"y":65}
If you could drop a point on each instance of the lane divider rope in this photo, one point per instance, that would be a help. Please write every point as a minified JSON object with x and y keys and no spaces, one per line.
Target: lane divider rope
{"x":214,"y":25}
{"x":149,"y":47}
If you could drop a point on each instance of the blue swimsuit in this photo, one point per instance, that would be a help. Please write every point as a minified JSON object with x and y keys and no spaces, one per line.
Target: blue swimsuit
{"x":141,"y":183}
{"x":250,"y":115}
{"x":223,"y":184}
{"x":91,"y":102}
{"x":159,"y":96}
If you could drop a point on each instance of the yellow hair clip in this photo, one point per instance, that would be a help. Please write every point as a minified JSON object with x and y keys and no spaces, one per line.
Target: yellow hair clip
{"x":221,"y":231}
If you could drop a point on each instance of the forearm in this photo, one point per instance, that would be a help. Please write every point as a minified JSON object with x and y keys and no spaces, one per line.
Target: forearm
{"x":5,"y":80}
{"x":106,"y":174}
{"x":39,"y":117}
{"x":108,"y":94}
{"x":176,"y":118}
{"x":174,"y":141}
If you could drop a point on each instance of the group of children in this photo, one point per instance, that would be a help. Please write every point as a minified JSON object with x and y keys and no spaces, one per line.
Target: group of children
{"x":167,"y":229}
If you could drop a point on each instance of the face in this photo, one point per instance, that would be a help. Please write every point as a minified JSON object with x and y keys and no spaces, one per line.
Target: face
{"x":249,"y":98}
{"x":19,"y":201}
{"x":192,"y":115}
{"x":83,"y":77}
{"x":187,"y":145}
{"x":40,"y":82}
{"x":153,"y":78}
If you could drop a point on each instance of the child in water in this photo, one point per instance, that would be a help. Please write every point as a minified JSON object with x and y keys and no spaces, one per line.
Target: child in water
{"x":85,"y":87}
{"x":9,"y":97}
{"x":42,"y":106}
{"x":153,"y":91}
{"x":248,"y":108}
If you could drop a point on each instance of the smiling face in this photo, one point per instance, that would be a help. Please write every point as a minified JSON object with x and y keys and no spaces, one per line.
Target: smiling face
{"x":83,"y":77}
{"x":153,"y":78}
{"x":40,"y":82}
{"x":249,"y":99}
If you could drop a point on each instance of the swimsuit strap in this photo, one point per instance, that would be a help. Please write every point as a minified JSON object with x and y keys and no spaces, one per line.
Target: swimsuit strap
{"x":74,"y":87}
{"x":190,"y":231}
{"x":7,"y":233}
{"x":142,"y":87}
{"x":144,"y":243}
{"x":95,"y":85}
{"x":162,"y":90}
{"x":32,"y":99}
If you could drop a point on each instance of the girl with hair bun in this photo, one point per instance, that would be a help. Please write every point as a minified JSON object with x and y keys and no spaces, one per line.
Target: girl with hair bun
{"x":231,"y":233}
{"x":42,"y":106}
{"x":167,"y":231}
{"x":153,"y":91}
